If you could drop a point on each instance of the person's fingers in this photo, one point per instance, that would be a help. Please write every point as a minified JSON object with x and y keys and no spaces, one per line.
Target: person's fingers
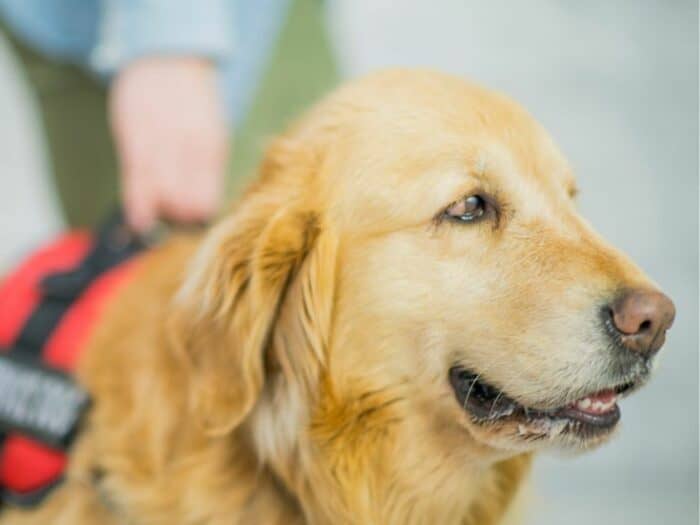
{"x":140,"y":204}
{"x":196,"y":189}
{"x":195,"y":200}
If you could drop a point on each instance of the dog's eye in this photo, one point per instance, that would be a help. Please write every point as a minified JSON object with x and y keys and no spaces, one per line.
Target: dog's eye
{"x":469,"y":209}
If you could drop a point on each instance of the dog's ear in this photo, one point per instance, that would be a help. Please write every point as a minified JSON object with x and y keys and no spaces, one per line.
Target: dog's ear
{"x":262,"y":277}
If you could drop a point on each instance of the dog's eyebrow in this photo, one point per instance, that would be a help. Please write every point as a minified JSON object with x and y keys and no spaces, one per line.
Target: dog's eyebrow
{"x":481,"y":165}
{"x":479,"y":173}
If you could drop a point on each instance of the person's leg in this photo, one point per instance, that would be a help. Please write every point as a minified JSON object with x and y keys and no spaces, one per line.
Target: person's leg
{"x":73,"y":110}
{"x":300,"y":71}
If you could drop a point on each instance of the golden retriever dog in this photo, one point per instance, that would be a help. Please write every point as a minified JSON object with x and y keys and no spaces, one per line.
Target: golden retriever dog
{"x":400,"y":311}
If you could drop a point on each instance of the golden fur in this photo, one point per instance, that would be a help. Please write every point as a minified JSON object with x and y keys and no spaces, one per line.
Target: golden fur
{"x":290,"y":365}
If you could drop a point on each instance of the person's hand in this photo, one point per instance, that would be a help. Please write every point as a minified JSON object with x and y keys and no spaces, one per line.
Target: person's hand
{"x":170,"y":131}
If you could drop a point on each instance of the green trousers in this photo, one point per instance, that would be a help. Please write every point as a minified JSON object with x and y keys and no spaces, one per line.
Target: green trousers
{"x":73,"y":107}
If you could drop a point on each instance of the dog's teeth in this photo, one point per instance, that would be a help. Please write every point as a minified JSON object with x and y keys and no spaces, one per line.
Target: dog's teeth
{"x":584,"y":404}
{"x":596,"y":406}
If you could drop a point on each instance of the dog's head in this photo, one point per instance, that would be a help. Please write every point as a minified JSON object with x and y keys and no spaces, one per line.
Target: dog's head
{"x":410,"y":271}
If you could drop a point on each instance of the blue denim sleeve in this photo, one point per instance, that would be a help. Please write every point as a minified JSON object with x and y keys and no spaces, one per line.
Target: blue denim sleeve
{"x":130,"y":29}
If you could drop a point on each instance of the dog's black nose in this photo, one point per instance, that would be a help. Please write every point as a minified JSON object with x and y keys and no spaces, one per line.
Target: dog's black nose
{"x":642,"y":317}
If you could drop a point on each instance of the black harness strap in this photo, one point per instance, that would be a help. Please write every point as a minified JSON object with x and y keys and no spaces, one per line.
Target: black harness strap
{"x":113,"y":245}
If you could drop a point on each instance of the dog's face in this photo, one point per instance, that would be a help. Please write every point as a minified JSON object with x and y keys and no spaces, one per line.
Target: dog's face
{"x":410,"y":278}
{"x":469,"y":283}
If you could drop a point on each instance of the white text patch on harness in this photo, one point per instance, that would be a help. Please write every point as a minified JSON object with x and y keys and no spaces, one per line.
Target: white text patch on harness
{"x":38,"y":401}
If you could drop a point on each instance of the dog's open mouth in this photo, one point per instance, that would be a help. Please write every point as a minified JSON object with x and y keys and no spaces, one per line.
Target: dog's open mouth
{"x":591,"y":415}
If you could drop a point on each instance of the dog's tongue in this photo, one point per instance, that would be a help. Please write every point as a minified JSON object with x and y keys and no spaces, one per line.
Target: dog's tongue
{"x":598,"y":403}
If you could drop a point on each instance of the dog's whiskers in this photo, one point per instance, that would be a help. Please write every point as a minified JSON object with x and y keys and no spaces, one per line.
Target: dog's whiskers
{"x":469,"y":392}
{"x":495,"y":402}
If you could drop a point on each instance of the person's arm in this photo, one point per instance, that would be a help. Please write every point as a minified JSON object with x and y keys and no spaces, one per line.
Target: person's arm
{"x":167,"y":113}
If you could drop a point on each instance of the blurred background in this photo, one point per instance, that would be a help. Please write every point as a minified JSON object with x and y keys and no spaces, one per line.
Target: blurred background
{"x":616,"y":83}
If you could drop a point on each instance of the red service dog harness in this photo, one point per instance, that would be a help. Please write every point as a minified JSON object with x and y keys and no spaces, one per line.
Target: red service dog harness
{"x":47,"y":309}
